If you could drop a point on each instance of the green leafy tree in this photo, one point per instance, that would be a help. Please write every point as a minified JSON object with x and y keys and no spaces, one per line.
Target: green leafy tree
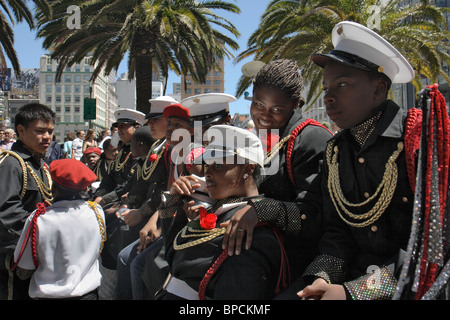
{"x":12,"y":12}
{"x":295,"y":29}
{"x":185,"y":36}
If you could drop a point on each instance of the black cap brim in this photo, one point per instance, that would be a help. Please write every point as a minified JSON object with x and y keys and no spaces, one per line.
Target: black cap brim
{"x":321,"y":59}
{"x":153,"y":116}
{"x":212,"y":118}
{"x":127,"y":121}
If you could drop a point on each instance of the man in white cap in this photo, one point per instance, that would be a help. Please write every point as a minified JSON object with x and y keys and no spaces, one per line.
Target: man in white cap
{"x":155,"y":119}
{"x":366,"y":196}
{"x":209,"y":108}
{"x":127,"y":121}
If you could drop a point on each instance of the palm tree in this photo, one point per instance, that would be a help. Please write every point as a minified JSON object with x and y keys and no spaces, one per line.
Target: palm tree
{"x":12,"y":12}
{"x":178,"y":35}
{"x":296,"y":29}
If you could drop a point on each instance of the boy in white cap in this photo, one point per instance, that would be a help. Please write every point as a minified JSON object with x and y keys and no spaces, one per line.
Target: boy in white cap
{"x":127,"y":121}
{"x":367,"y":197}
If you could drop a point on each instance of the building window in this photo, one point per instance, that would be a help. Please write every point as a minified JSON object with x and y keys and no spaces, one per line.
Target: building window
{"x":217,"y":83}
{"x":49,"y":78}
{"x":216,"y":74}
{"x":67,"y":118}
{"x":58,"y":98}
{"x":49,"y":67}
{"x":76,"y":118}
{"x":77,"y":78}
{"x":188,"y":91}
{"x":48,"y":99}
{"x":77,"y":99}
{"x":207,"y":90}
{"x":67,"y":78}
{"x":77,"y":89}
{"x":67,"y":89}
{"x":67,"y":108}
{"x":197,"y":91}
{"x":58,"y":89}
{"x":58,"y":108}
{"x":66,"y":98}
{"x":48,"y":89}
{"x":77,"y":108}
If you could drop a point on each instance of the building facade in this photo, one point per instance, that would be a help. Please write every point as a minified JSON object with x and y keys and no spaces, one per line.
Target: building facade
{"x":215,"y":82}
{"x":66,"y":97}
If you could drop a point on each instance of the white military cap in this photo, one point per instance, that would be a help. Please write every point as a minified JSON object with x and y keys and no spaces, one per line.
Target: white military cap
{"x":133,"y":117}
{"x":157,"y":106}
{"x":227,"y":141}
{"x":208,"y":107}
{"x":362,"y":48}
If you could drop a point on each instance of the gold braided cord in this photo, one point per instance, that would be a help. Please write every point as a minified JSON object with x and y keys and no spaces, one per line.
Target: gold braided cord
{"x":273,"y":151}
{"x":385,"y":190}
{"x":120,"y":165}
{"x":101,"y":224}
{"x":202,"y":235}
{"x":3,"y":156}
{"x":147,"y":169}
{"x":46,"y":191}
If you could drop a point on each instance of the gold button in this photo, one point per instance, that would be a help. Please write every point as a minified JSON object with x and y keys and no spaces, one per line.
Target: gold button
{"x":303,"y":217}
{"x":366,"y":194}
{"x":361,"y":160}
{"x":405,"y":199}
{"x":374,"y":228}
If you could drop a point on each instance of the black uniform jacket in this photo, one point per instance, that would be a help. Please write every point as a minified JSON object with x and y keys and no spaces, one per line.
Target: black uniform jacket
{"x":348,"y":252}
{"x":297,"y":211}
{"x":118,"y":174}
{"x":14,"y":210}
{"x":251,"y":275}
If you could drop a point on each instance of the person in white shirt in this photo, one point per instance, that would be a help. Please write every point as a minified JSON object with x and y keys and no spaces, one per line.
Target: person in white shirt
{"x":77,"y":145}
{"x":60,"y":245}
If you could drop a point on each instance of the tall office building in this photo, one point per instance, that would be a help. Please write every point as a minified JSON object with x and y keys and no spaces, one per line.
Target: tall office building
{"x":66,"y":97}
{"x":215,"y":82}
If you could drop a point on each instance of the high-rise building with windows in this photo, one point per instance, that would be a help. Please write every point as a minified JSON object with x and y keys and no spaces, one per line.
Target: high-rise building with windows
{"x":215,"y":82}
{"x":66,"y":97}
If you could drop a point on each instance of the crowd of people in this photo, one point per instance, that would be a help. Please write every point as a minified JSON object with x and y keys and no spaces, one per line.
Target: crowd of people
{"x":179,"y":204}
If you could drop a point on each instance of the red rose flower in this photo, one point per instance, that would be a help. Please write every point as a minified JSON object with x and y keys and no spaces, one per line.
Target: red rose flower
{"x":153,"y":157}
{"x":207,"y":220}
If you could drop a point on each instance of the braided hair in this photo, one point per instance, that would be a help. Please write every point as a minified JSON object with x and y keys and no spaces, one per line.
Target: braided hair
{"x":282,"y":74}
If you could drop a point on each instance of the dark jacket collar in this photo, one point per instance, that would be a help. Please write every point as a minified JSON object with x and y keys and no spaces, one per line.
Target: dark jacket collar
{"x":25,"y":153}
{"x":390,"y":124}
{"x":293,"y":122}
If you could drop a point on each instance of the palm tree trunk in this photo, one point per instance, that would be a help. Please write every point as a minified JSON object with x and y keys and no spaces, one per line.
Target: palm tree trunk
{"x":143,"y":83}
{"x":142,"y":50}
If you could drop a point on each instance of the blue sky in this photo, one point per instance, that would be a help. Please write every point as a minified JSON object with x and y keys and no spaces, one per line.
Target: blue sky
{"x":29,"y":49}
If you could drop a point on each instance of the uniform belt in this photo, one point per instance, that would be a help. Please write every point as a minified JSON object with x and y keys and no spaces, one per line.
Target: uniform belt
{"x":180,"y":288}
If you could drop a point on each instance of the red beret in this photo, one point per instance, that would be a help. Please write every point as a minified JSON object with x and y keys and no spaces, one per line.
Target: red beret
{"x":92,"y":150}
{"x":177,"y":110}
{"x":72,"y":174}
